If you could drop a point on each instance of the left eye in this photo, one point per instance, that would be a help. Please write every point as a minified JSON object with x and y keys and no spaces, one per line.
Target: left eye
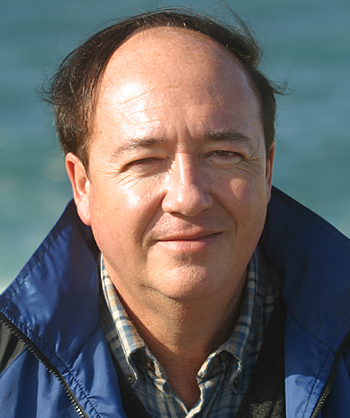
{"x":224,"y":153}
{"x":144,"y":161}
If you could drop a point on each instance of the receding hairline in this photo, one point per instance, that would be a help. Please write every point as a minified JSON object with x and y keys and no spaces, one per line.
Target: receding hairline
{"x":211,"y":51}
{"x":140,"y":38}
{"x":157,"y":33}
{"x":73,"y":87}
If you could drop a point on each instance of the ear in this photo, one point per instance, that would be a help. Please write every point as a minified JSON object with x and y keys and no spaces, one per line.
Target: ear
{"x":80,"y":185}
{"x":269,"y":169}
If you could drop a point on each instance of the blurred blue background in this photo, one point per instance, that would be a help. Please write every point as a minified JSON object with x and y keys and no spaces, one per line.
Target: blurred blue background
{"x":306,"y":42}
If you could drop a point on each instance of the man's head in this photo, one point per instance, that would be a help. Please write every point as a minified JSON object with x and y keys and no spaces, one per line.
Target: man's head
{"x":75,"y":87}
{"x":179,"y":179}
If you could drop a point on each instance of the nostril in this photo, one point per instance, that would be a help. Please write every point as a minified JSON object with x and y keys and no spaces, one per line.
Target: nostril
{"x":188,"y":201}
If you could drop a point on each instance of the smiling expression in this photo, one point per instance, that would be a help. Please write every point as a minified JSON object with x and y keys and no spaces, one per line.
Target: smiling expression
{"x":178,"y":180}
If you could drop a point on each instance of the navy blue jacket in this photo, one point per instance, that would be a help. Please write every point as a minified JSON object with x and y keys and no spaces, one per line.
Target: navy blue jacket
{"x":54,"y":360}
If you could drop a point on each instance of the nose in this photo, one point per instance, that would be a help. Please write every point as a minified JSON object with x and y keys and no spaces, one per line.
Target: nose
{"x":187,"y":190}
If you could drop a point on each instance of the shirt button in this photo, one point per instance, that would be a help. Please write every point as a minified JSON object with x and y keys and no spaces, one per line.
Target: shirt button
{"x":131,"y":377}
{"x":149,"y":364}
{"x":236,"y":382}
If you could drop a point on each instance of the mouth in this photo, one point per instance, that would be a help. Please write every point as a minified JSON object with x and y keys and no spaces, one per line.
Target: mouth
{"x":190,"y":243}
{"x":190,"y":237}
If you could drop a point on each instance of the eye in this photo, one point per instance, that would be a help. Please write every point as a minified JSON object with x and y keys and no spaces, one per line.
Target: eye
{"x":144,"y":161}
{"x":224,"y":157}
{"x":220,"y":153}
{"x":145,"y":165}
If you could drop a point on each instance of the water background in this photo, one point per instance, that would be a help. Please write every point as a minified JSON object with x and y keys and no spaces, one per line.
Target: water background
{"x":306,"y":42}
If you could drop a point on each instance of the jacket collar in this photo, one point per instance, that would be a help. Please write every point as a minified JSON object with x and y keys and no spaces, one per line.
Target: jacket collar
{"x":54,"y":299}
{"x":313,"y":258}
{"x":58,"y":288}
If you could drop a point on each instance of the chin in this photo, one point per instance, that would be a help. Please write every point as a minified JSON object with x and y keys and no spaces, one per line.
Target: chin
{"x":190,"y":283}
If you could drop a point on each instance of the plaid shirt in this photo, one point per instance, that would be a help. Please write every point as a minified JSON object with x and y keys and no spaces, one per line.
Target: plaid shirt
{"x":223,"y":377}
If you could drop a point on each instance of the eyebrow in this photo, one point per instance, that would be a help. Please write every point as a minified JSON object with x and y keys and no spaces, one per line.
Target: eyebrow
{"x":223,"y":135}
{"x":139,"y":143}
{"x":230,"y":136}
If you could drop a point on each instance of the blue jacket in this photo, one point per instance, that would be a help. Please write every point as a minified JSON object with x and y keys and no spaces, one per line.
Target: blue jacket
{"x":56,"y":362}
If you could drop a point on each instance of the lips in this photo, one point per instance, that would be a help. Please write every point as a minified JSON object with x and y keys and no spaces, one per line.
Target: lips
{"x":186,"y":242}
{"x":189,"y":237}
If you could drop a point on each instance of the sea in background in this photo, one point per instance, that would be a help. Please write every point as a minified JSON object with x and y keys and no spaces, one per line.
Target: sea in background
{"x":307,"y":43}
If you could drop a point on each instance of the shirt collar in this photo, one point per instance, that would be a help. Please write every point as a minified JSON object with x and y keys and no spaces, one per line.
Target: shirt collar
{"x":129,"y":338}
{"x":130,"y":341}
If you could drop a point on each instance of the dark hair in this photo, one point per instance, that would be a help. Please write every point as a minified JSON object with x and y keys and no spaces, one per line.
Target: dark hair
{"x":74,"y":87}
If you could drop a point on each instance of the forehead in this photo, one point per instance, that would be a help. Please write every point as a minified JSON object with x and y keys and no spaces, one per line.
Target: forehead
{"x":173,"y":68}
{"x":174,"y":56}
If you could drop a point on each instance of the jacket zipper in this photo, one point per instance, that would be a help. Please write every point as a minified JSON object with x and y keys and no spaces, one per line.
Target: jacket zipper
{"x":37,"y":353}
{"x":331,"y":378}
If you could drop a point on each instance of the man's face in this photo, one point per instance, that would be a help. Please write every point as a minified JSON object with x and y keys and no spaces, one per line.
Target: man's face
{"x":178,"y":176}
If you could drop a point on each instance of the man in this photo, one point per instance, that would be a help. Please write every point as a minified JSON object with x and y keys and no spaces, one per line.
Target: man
{"x":169,"y":287}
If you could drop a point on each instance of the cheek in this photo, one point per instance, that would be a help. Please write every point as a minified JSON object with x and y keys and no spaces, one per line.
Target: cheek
{"x":247,"y":203}
{"x":129,"y":199}
{"x":242,"y":192}
{"x":138,"y":202}
{"x":121,"y":214}
{"x":250,"y":183}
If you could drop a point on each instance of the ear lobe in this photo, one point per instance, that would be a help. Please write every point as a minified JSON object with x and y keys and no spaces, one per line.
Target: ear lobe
{"x":269,"y":169}
{"x":80,"y":186}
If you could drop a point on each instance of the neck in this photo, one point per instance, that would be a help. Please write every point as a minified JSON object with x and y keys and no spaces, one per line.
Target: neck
{"x":182,"y":334}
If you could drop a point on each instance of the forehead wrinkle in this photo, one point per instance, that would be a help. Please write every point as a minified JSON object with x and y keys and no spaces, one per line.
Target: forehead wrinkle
{"x":160,"y":91}
{"x":168,"y":106}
